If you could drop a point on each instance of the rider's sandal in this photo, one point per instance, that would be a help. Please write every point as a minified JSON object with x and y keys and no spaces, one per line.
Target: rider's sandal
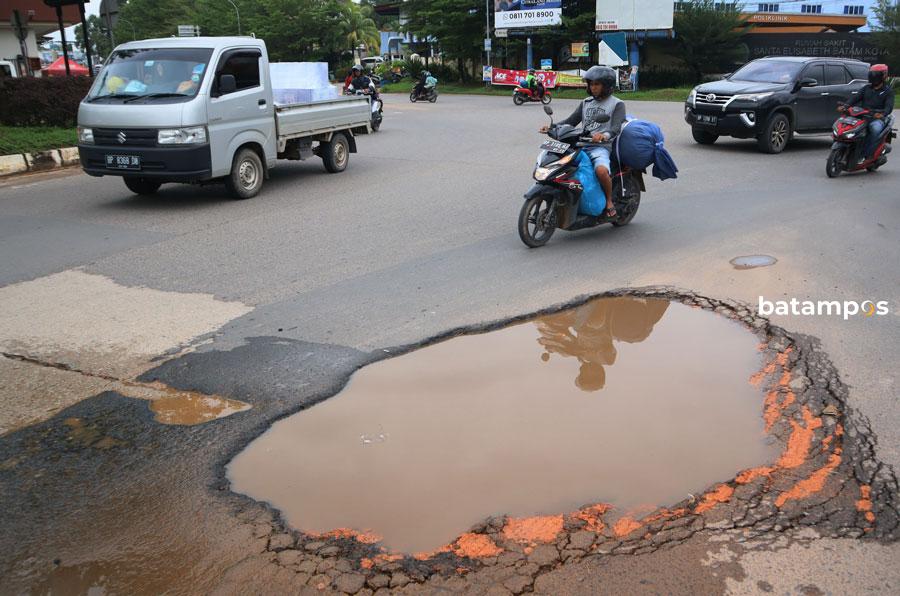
{"x":611,"y":213}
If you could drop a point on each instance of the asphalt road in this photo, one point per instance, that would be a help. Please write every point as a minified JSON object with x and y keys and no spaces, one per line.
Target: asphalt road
{"x":418,"y":237}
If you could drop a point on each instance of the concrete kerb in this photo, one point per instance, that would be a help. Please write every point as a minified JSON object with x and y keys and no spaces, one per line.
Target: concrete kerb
{"x":38,"y":162}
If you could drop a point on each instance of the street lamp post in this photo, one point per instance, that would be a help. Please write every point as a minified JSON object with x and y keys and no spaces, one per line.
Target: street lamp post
{"x":487,"y":33}
{"x":238,"y":13}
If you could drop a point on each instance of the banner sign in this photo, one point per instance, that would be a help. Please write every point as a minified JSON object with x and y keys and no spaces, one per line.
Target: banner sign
{"x":634,"y":15}
{"x":569,"y":80}
{"x":833,"y":45}
{"x":581,"y":49}
{"x":527,"y":13}
{"x":503,"y":76}
{"x":485,"y":73}
{"x":546,"y":64}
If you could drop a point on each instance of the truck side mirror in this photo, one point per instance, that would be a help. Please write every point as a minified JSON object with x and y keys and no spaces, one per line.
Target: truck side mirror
{"x":809,"y":82}
{"x":227,"y":84}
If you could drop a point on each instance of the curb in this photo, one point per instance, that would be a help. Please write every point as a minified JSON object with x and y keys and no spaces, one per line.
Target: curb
{"x":38,"y":162}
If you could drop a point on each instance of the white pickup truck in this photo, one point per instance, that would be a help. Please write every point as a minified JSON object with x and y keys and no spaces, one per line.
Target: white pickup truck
{"x":200,"y":110}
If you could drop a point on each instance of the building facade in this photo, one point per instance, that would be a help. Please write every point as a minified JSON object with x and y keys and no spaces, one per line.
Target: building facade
{"x":39,"y":20}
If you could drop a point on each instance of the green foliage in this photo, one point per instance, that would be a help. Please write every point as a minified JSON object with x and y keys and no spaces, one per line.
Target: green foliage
{"x":294,"y":30}
{"x":41,"y":101}
{"x":458,"y":25}
{"x":99,"y":37}
{"x":31,"y":139}
{"x":415,"y":66}
{"x":707,"y":35}
{"x":887,"y":32}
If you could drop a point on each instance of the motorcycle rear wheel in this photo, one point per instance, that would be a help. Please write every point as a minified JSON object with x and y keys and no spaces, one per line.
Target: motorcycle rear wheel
{"x":628,"y":207}
{"x":833,"y":164}
{"x":433,"y":97}
{"x":518,"y":99}
{"x":412,"y":97}
{"x":537,"y":221}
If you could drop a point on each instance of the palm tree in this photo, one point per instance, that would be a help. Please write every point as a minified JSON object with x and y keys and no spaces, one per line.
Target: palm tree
{"x":360,"y":29}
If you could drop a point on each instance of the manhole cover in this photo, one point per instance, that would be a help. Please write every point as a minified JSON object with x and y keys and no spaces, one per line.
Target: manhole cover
{"x":753,"y":261}
{"x":628,"y":401}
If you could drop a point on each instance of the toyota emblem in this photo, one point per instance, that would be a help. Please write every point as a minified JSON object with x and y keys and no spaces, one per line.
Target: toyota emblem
{"x":121,"y":136}
{"x":711,"y":97}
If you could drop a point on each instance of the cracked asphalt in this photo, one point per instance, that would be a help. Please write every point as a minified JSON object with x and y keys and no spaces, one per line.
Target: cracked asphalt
{"x":274,"y":302}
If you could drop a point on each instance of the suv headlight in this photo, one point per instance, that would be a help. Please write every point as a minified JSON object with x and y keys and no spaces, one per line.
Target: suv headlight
{"x":692,"y":97}
{"x":182,"y":136}
{"x":754,"y":97}
{"x":85,"y":136}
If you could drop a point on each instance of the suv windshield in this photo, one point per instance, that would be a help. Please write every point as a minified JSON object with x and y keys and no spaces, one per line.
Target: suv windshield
{"x":768,"y":71}
{"x":170,"y":72}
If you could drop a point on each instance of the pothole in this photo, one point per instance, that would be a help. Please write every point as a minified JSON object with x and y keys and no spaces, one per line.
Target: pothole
{"x":753,"y":261}
{"x":631,"y":402}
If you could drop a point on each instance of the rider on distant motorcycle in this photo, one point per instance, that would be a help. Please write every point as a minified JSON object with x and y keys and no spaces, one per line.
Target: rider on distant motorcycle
{"x":877,"y":97}
{"x":534,"y":85}
{"x":423,"y":80}
{"x":600,"y":81}
{"x":360,"y":82}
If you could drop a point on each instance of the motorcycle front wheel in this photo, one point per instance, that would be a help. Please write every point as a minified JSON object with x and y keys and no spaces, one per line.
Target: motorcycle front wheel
{"x":833,"y":164}
{"x":537,"y":221}
{"x":546,"y":99}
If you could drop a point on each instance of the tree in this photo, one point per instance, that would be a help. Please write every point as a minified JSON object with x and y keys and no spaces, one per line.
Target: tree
{"x":360,"y":29}
{"x":99,"y":37}
{"x":708,"y":36}
{"x":458,"y":26}
{"x":886,"y":32}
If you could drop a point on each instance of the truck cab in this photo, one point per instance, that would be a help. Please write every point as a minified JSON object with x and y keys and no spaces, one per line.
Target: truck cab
{"x":199,"y":110}
{"x":772,"y":98}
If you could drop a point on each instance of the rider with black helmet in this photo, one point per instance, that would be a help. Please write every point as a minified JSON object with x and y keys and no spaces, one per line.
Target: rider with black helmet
{"x":878,"y":97}
{"x":420,"y":85}
{"x":600,"y":81}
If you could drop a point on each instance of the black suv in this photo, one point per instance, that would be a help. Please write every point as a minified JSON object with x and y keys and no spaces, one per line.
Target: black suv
{"x":772,"y":98}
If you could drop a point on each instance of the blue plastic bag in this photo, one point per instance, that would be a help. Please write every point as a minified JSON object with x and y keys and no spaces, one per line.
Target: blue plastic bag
{"x":641,"y":144}
{"x":593,"y":199}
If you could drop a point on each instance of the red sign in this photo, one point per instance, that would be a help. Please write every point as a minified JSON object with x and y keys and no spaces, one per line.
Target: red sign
{"x":502,"y":76}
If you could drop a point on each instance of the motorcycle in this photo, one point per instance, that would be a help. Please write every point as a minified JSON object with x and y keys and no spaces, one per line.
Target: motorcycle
{"x":850,"y":133}
{"x":554,"y":199}
{"x":376,"y":104}
{"x":523,"y":95}
{"x":429,"y":94}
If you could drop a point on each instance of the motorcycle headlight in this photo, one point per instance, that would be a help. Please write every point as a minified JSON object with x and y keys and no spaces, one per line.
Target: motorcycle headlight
{"x":85,"y":136}
{"x":182,"y":136}
{"x":541,"y":174}
{"x":850,"y":135}
{"x":752,"y":97}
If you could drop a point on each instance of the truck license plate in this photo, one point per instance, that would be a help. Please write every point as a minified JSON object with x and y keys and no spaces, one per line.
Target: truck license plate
{"x":704,"y":119}
{"x":123,"y":162}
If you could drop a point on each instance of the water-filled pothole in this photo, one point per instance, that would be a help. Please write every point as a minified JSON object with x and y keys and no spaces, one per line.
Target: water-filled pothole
{"x":629,"y":401}
{"x":753,"y":261}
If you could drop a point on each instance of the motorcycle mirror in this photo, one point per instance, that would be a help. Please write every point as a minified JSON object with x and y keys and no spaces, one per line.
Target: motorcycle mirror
{"x":548,"y":110}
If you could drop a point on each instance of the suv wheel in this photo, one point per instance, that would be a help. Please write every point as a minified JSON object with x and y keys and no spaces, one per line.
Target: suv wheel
{"x":776,"y":134}
{"x":704,"y":137}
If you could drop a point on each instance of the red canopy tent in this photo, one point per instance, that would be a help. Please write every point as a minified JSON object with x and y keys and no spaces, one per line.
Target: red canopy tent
{"x":58,"y":69}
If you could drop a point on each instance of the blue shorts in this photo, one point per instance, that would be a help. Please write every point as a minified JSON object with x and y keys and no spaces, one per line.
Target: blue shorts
{"x":599,"y":156}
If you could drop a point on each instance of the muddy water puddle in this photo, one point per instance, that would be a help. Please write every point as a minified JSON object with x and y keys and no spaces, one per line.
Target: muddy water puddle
{"x":627,"y":401}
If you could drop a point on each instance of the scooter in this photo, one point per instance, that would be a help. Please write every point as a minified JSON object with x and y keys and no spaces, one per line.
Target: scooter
{"x":850,"y":133}
{"x":554,"y":199}
{"x":376,"y":104}
{"x":523,"y":95}
{"x":429,"y":94}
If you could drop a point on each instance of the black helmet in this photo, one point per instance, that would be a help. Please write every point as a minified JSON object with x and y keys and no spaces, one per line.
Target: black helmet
{"x":530,"y":71}
{"x":602,"y":74}
{"x":877,"y":74}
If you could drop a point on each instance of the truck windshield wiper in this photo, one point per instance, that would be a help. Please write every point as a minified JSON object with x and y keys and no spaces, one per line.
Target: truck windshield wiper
{"x":111,"y":96}
{"x":154,"y":95}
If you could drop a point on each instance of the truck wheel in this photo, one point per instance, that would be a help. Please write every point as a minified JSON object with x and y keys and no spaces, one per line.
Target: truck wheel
{"x":246,"y":177}
{"x":704,"y":137}
{"x":776,"y":135}
{"x":336,"y":153}
{"x":141,"y":186}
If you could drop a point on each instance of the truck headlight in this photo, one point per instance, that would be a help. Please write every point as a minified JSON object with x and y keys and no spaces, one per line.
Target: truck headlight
{"x":752,"y":97}
{"x":182,"y":136}
{"x":85,"y":136}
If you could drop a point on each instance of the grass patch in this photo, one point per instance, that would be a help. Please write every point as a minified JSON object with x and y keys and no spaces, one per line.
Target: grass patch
{"x":31,"y":139}
{"x":673,"y":94}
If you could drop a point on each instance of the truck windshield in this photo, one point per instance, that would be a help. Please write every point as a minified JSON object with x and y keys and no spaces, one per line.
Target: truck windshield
{"x":151,"y":73}
{"x":768,"y":71}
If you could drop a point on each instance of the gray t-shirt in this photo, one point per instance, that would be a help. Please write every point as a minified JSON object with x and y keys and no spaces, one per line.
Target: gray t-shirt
{"x":588,"y":111}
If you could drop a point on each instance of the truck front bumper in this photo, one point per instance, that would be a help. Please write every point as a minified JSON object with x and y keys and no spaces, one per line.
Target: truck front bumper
{"x":744,"y":124}
{"x":189,"y":163}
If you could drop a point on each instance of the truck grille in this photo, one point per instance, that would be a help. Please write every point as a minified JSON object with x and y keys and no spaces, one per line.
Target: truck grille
{"x":126,"y":137}
{"x":712,"y":100}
